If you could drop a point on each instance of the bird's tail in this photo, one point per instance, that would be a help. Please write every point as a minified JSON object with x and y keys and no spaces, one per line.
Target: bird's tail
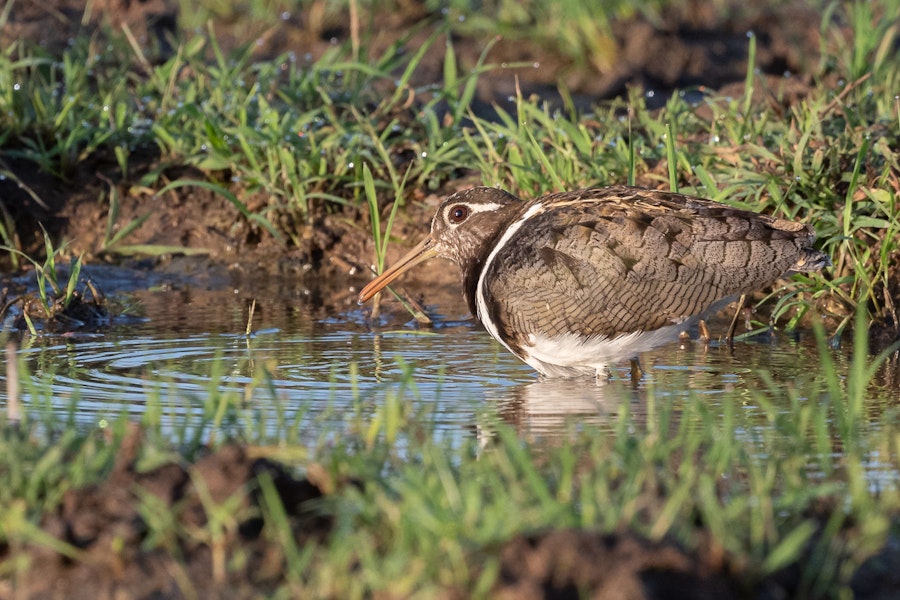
{"x":811,"y":261}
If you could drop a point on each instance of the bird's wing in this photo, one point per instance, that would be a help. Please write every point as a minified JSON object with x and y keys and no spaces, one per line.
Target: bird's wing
{"x":630,"y":264}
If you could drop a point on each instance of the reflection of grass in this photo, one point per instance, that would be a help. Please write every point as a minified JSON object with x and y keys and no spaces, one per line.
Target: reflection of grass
{"x":778,"y":476}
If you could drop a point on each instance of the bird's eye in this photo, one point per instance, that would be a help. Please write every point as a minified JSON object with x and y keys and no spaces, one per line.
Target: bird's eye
{"x":458,"y":214}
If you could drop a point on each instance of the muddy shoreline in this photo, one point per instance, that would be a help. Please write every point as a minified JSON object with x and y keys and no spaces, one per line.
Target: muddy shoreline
{"x":699,"y":49}
{"x":102,"y":525}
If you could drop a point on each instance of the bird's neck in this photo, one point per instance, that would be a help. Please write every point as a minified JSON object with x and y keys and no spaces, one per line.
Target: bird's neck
{"x":479,"y":248}
{"x":470,"y":274}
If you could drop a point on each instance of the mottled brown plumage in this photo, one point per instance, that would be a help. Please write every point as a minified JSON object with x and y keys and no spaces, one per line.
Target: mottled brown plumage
{"x":570,"y":282}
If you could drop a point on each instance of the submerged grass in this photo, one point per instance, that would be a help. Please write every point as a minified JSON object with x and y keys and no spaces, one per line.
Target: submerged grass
{"x":755,"y":479}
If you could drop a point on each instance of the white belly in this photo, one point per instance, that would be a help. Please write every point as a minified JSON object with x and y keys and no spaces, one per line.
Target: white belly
{"x":570,"y":355}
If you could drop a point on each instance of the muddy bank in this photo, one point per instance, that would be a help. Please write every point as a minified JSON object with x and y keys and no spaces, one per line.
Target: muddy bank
{"x":683,"y":49}
{"x":331,"y":252}
{"x":111,"y":555}
{"x":147,"y":535}
{"x":678,"y":47}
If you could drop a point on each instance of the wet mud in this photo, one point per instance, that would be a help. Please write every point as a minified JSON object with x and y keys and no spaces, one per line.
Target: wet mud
{"x":695,"y":47}
{"x":111,"y":551}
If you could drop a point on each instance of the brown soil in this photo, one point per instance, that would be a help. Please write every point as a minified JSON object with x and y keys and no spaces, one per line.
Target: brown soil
{"x":562,"y":563}
{"x":115,"y":560}
{"x":118,"y":555}
{"x":691,"y":49}
{"x":697,"y":47}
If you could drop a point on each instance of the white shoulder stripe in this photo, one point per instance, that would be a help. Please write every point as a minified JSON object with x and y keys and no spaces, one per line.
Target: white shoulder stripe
{"x":482,"y":312}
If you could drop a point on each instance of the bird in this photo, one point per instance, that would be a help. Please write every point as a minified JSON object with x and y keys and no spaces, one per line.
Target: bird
{"x":574,"y":281}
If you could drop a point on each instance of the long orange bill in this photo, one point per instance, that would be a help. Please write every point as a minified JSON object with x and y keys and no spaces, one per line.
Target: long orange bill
{"x":422,"y":252}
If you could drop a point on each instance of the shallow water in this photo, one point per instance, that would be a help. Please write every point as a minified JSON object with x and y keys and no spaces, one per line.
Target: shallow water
{"x":317,"y":359}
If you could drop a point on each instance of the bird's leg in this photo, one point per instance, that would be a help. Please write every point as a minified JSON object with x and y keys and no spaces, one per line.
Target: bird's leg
{"x":637,"y":371}
{"x":704,"y":332}
{"x":729,"y":337}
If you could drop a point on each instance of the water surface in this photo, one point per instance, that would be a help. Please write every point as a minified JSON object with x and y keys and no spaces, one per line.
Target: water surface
{"x":319,"y":359}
